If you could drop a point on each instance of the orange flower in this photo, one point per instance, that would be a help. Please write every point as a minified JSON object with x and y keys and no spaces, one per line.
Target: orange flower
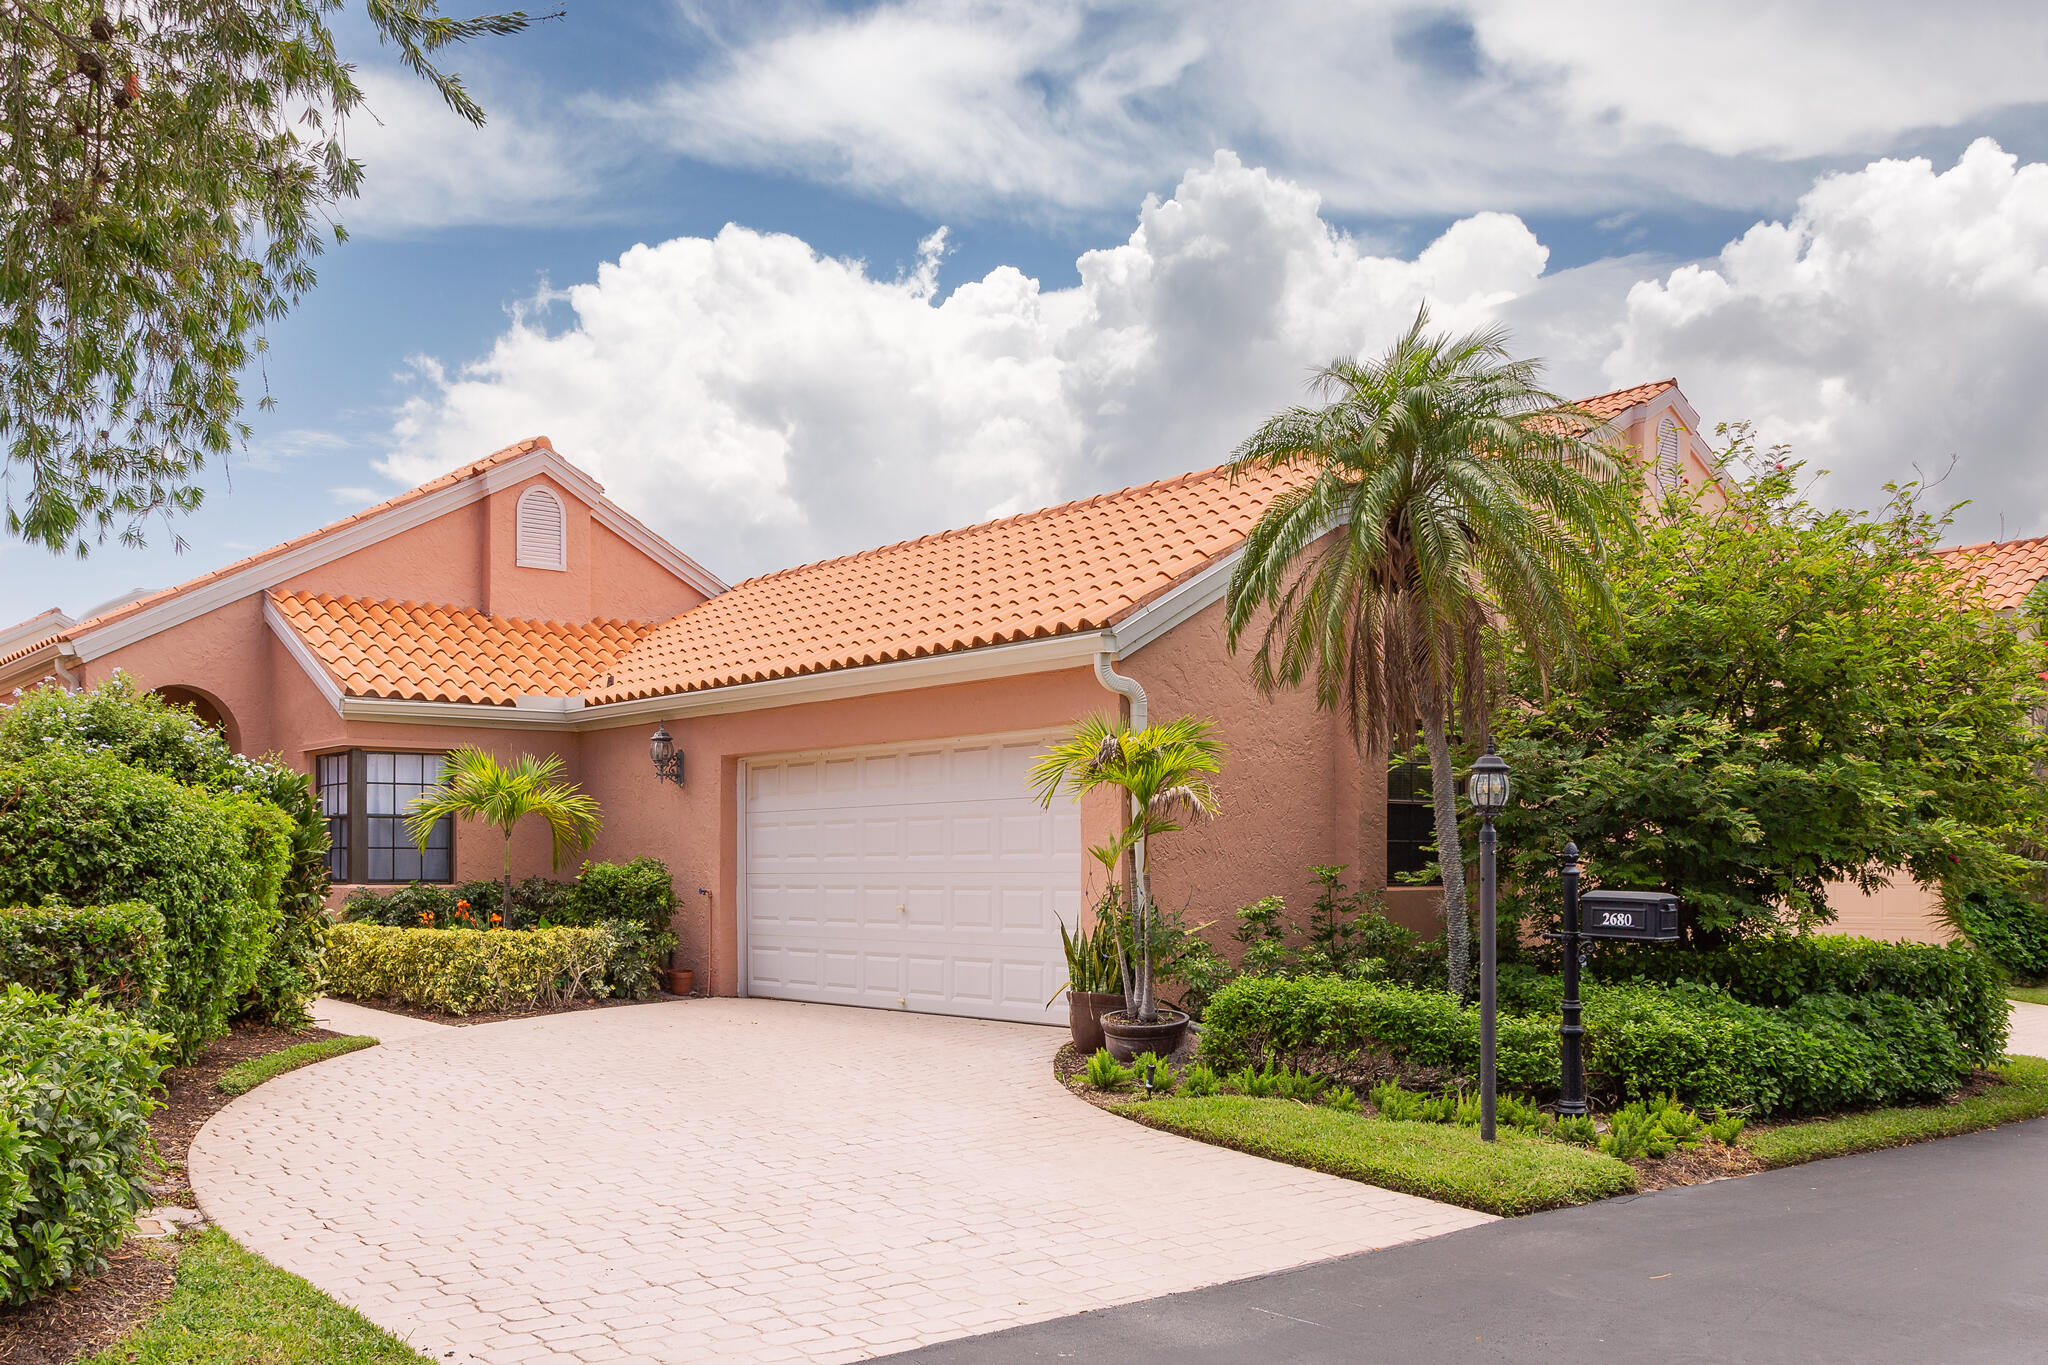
{"x":462,"y":905}
{"x":497,"y":918}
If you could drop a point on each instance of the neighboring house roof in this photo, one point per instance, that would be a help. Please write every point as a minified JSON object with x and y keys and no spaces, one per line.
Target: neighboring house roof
{"x":1077,"y":567}
{"x":1608,"y":406}
{"x":418,"y":652}
{"x":2006,"y":569}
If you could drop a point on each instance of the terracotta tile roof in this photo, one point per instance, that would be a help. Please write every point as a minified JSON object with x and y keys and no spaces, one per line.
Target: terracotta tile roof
{"x":32,"y":647}
{"x":1607,"y":406}
{"x":511,"y":452}
{"x":420,"y":652}
{"x":1076,"y":567}
{"x":2007,"y":569}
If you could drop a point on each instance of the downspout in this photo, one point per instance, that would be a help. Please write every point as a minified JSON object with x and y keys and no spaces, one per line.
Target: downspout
{"x":65,"y":675}
{"x":1128,"y":688}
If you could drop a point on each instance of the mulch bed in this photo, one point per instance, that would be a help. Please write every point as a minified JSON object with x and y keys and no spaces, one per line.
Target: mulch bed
{"x":499,"y":1016}
{"x":76,"y":1323}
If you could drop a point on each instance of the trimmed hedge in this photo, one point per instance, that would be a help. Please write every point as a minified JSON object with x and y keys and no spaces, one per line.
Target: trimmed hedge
{"x":113,"y":951}
{"x":88,"y":829}
{"x":1359,"y":1029}
{"x":1824,"y":1052}
{"x":1960,"y":984}
{"x":76,"y":1090}
{"x":120,"y":720}
{"x":461,"y":971}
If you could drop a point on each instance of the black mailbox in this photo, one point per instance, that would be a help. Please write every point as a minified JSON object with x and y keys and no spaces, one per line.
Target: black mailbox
{"x":1643,"y":916}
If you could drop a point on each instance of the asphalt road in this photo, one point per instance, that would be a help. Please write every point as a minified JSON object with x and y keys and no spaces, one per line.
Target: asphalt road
{"x":1934,"y":1253}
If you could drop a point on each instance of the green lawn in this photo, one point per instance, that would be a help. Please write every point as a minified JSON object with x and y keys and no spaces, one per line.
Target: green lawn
{"x":245,"y":1076}
{"x":232,"y":1308}
{"x":2031,"y":995}
{"x":2023,"y":1096}
{"x":1437,"y":1161}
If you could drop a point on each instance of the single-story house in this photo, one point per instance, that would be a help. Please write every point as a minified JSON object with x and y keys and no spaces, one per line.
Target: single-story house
{"x":850,"y":821}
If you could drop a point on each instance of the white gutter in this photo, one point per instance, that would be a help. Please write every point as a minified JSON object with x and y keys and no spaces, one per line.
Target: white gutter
{"x":1129,"y":688}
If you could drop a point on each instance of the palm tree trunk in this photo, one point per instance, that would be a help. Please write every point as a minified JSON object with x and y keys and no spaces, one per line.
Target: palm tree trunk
{"x":505,"y":896}
{"x":1450,"y":854}
{"x":1141,"y":930}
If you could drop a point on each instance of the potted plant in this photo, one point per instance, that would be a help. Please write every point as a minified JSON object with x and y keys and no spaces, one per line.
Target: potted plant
{"x":1163,"y":773}
{"x":1094,"y":983}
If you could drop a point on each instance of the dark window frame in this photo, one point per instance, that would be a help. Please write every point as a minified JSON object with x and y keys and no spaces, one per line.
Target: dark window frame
{"x":375,"y":842}
{"x":1411,"y":817}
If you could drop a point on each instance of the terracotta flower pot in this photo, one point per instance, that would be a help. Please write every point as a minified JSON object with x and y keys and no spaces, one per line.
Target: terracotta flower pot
{"x":1125,"y":1037}
{"x":1084,"y":1017}
{"x":681,"y":980}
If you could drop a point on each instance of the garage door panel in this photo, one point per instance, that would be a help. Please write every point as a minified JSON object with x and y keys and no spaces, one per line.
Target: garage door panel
{"x":924,"y":879}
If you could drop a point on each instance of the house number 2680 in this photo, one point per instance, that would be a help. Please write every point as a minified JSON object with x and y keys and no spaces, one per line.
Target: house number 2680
{"x":1611,"y":920}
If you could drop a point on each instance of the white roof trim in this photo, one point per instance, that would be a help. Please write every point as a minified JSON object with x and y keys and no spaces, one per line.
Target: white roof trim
{"x":936,"y":670}
{"x":296,"y":646}
{"x":348,"y":538}
{"x":1195,"y":593}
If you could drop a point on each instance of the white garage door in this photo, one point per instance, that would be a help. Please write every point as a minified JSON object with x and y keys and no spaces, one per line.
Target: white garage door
{"x":918,"y":878}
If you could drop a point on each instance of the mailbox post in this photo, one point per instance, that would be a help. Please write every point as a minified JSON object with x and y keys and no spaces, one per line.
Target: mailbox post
{"x":1637,"y":916}
{"x":1571,"y":1034}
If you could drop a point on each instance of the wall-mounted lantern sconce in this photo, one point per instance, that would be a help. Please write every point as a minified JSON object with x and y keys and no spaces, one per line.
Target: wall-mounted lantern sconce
{"x":668,"y":760}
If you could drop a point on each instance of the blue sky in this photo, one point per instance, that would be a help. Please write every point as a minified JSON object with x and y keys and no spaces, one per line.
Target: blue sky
{"x":988,"y":255}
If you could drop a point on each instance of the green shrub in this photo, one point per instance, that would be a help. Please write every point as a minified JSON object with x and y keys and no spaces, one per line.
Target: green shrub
{"x":634,"y":969}
{"x":1342,"y":1098}
{"x":2011,"y":930}
{"x":641,"y":890}
{"x":87,"y":829}
{"x":462,"y":973}
{"x":1822,"y":1053}
{"x":1201,"y":1079}
{"x":143,"y":730}
{"x":1959,"y":983}
{"x":1353,"y":1030}
{"x":114,"y":951}
{"x":417,"y":905}
{"x":76,"y":1089}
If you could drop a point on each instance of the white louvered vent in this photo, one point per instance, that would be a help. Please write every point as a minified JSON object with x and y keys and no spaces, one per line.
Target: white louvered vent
{"x":1670,"y":456}
{"x":543,"y":531}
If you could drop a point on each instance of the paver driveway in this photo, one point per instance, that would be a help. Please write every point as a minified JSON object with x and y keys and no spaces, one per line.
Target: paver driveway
{"x":744,"y":1180}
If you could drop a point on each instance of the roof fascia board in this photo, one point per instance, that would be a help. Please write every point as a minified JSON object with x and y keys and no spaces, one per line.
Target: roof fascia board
{"x":616,"y":519}
{"x":268,"y":573}
{"x":936,"y":670}
{"x":302,"y":653}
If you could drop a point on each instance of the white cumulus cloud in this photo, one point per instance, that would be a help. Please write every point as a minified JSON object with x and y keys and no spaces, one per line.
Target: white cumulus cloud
{"x":1898,"y":319}
{"x":761,"y":404}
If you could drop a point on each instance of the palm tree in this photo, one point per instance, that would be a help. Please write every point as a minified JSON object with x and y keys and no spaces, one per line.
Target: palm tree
{"x":1162,"y":771}
{"x":1464,"y":499}
{"x":475,"y":786}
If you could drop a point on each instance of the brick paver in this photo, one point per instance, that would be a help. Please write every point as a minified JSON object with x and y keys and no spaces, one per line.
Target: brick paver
{"x":744,"y":1180}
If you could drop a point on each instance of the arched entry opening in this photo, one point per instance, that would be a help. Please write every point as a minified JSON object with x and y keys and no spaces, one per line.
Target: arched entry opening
{"x":207,"y":708}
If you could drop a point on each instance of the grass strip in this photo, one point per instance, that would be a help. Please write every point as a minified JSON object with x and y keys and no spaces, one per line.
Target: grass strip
{"x":230,"y":1306}
{"x":246,"y":1075}
{"x":1515,"y":1175}
{"x":2028,"y":995}
{"x":2024,"y":1095}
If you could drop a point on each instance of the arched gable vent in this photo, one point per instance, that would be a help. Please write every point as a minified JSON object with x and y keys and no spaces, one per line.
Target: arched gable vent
{"x":543,"y":531}
{"x":1670,"y":455}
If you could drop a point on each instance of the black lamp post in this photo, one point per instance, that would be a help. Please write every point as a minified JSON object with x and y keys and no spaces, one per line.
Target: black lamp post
{"x":1487,"y":789}
{"x":668,"y":764}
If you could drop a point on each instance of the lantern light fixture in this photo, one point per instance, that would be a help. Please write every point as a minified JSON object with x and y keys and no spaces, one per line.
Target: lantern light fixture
{"x":1487,"y":788}
{"x":668,"y":760}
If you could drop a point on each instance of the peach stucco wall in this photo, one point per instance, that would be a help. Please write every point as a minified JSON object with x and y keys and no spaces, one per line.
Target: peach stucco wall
{"x":1902,"y":910}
